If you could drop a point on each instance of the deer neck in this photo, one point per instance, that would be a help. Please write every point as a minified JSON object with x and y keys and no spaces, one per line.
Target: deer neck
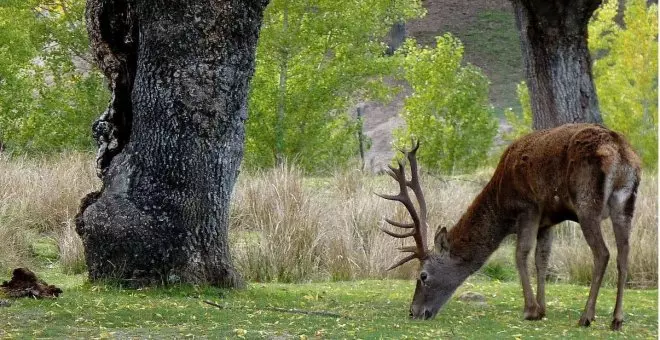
{"x":480,"y":230}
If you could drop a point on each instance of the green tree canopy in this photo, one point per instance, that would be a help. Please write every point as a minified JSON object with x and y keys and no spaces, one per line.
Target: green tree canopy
{"x":448,"y":110}
{"x":627,"y":73}
{"x":314,"y":60}
{"x":50,"y":93}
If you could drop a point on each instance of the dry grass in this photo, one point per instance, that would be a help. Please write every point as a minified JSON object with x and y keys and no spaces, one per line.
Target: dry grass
{"x":39,"y":198}
{"x":71,"y":250}
{"x":282,"y":222}
{"x":289,"y":228}
{"x":571,"y":258}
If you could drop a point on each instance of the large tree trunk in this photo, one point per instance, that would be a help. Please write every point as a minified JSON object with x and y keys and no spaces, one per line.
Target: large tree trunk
{"x":171,"y":140}
{"x":553,"y":37}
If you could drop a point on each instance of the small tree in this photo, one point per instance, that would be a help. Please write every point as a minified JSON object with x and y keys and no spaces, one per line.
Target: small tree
{"x":521,"y":123}
{"x":448,"y":110}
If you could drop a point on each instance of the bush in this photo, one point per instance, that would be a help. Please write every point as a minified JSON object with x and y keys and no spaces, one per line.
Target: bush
{"x":448,"y":110}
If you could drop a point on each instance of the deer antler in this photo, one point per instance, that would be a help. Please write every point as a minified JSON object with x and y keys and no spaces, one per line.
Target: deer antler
{"x":418,"y":226}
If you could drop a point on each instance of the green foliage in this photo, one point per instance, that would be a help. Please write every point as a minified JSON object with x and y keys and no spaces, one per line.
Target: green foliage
{"x":50,"y":93}
{"x":626,"y":74}
{"x":374,"y":309}
{"x":448,"y":110}
{"x":313,"y":61}
{"x":521,"y":123}
{"x":16,"y":49}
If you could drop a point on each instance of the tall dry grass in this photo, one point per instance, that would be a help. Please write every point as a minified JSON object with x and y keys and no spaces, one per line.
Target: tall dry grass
{"x":39,"y":198}
{"x":571,"y":258}
{"x":289,"y":228}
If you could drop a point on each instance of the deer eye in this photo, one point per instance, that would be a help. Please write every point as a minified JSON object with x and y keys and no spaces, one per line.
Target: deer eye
{"x":423,"y":276}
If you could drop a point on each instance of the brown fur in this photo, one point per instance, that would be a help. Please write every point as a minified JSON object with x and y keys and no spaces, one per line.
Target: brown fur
{"x":579,"y":172}
{"x":533,"y":171}
{"x":24,"y":283}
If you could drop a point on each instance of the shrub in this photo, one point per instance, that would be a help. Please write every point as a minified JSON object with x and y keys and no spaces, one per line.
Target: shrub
{"x":448,"y":110}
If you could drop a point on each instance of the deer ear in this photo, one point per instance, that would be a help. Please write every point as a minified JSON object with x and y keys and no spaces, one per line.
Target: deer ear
{"x":441,"y":241}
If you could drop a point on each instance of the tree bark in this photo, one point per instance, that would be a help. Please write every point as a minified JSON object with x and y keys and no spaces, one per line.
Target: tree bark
{"x":171,"y":140}
{"x":553,"y":37}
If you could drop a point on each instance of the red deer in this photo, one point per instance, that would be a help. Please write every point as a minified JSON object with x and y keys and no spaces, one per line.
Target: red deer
{"x":578,"y":172}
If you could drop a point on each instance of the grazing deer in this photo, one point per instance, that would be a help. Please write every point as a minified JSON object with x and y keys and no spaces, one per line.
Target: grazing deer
{"x":579,"y":172}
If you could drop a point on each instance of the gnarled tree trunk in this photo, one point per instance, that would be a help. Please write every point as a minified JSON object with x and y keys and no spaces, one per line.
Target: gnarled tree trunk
{"x":171,"y":140}
{"x":553,"y":35}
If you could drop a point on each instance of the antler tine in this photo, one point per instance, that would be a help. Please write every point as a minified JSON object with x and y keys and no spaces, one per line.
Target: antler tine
{"x":408,"y":234}
{"x":399,"y":174}
{"x":403,"y":260}
{"x":408,"y":249}
{"x":418,"y":225}
{"x":400,"y":224}
{"x":415,"y":145}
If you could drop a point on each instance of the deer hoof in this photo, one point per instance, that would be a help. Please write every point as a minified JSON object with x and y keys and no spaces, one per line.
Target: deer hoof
{"x":617,"y":324}
{"x":533,"y":313}
{"x":585,"y":321}
{"x":541,"y":311}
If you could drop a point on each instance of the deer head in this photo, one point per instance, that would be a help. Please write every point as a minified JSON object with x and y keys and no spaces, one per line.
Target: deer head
{"x":439,"y":274}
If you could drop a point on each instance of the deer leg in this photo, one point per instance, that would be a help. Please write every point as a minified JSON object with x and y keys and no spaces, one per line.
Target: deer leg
{"x":542,"y":255}
{"x":527,"y":228}
{"x":591,"y":229}
{"x":621,"y":221}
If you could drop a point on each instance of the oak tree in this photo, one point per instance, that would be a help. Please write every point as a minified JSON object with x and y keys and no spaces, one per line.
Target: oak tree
{"x":171,"y":140}
{"x":558,"y":66}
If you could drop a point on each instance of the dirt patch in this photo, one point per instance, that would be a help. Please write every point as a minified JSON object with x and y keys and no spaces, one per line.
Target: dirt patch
{"x":450,"y":16}
{"x":24,"y":283}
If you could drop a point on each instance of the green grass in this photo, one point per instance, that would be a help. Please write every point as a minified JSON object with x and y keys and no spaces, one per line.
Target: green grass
{"x":369,"y":310}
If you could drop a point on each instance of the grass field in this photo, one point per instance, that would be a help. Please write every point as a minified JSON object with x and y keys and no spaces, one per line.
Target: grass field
{"x":368,"y":309}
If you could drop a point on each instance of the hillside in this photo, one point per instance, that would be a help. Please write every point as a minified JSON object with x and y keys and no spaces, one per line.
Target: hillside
{"x":487,"y":29}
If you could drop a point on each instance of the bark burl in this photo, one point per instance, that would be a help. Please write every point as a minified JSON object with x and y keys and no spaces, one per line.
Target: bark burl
{"x":171,"y":139}
{"x":553,"y":37}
